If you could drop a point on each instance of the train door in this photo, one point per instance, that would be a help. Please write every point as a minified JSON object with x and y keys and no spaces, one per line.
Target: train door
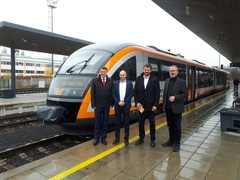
{"x":191,"y":83}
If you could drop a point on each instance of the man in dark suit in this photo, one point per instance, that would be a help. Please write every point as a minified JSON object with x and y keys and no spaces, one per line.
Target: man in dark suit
{"x":122,"y":94}
{"x":101,"y":101}
{"x":174,"y":96}
{"x":146,"y":96}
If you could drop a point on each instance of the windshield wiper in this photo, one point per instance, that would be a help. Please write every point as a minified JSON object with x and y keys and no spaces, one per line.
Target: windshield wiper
{"x":69,"y":70}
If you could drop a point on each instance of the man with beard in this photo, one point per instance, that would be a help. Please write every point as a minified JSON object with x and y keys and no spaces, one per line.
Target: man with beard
{"x":174,"y":96}
{"x":146,"y":96}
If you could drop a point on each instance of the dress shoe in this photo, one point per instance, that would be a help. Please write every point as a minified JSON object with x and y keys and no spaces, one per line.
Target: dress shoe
{"x":138,"y":142}
{"x":95,"y":142}
{"x":152,"y":144}
{"x":104,"y":142}
{"x":176,"y":147}
{"x":115,"y":141}
{"x":126,"y":142}
{"x":167,"y":144}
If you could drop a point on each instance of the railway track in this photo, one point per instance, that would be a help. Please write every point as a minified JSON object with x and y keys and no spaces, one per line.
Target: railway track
{"x":25,"y":139}
{"x":17,"y":121}
{"x":16,"y":157}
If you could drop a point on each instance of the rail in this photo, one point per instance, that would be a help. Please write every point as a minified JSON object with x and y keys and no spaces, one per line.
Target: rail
{"x":31,"y":90}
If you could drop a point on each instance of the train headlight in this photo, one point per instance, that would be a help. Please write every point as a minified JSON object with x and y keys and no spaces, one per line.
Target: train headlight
{"x":75,"y":92}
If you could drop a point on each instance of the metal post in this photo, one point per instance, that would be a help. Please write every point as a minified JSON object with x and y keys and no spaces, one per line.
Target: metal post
{"x":13,"y":75}
{"x":219,"y":61}
{"x":51,"y":4}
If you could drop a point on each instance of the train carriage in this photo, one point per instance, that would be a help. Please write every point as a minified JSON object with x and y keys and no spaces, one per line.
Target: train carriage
{"x":70,"y":88}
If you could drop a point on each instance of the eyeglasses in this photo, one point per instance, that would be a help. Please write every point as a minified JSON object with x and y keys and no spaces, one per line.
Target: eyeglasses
{"x":172,"y":70}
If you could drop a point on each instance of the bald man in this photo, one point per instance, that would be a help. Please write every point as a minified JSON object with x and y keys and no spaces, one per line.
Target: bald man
{"x":122,"y":93}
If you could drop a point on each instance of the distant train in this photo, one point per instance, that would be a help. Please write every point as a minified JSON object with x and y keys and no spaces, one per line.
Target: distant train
{"x":70,"y":88}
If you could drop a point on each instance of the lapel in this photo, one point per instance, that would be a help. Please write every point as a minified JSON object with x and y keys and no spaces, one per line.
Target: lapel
{"x":166,"y":84}
{"x":127,"y":87}
{"x":176,"y":84}
{"x":117,"y":89}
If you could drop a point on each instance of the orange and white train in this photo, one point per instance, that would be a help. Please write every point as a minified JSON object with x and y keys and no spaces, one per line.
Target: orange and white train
{"x":70,"y":88}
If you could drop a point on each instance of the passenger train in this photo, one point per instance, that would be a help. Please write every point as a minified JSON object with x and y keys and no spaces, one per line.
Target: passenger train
{"x":70,"y":87}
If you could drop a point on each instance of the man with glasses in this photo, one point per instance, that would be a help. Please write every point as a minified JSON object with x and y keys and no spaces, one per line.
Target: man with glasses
{"x":174,"y":96}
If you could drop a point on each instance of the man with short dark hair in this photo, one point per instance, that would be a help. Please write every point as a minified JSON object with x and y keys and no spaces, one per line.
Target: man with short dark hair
{"x":146,"y":96}
{"x":101,"y":101}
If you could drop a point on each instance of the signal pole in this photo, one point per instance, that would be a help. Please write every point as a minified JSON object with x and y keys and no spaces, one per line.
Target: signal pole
{"x":51,"y":5}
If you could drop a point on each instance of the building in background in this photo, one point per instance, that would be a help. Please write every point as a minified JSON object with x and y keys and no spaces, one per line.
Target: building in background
{"x":26,"y":65}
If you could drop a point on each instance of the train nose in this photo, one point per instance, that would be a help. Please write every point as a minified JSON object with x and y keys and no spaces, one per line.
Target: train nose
{"x":52,"y":114}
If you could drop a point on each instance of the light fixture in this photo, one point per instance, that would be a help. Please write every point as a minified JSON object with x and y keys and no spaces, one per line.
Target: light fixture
{"x":211,"y":17}
{"x":188,"y":10}
{"x":24,"y":40}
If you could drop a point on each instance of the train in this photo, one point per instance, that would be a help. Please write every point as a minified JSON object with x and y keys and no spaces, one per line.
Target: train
{"x":69,"y":91}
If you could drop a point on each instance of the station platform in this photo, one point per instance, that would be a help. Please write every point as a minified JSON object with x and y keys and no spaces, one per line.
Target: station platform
{"x":206,"y":152}
{"x":22,"y":103}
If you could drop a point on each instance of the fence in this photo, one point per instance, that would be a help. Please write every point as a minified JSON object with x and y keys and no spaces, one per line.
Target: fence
{"x":26,"y":83}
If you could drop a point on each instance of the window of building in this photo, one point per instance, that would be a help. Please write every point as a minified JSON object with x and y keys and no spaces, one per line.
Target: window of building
{"x":29,"y":64}
{"x":19,"y":71}
{"x":19,"y":64}
{"x":40,"y":72}
{"x":5,"y":62}
{"x":29,"y":72}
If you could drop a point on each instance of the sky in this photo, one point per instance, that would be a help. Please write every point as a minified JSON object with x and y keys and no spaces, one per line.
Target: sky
{"x":137,"y":21}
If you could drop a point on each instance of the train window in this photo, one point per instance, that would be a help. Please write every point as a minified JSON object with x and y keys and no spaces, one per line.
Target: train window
{"x":205,"y":78}
{"x":130,"y":67}
{"x":84,"y":62}
{"x":220,"y":78}
{"x":161,"y":68}
{"x":155,"y":68}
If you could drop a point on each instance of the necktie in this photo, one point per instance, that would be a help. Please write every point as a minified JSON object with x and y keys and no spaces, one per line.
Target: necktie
{"x":104,"y":82}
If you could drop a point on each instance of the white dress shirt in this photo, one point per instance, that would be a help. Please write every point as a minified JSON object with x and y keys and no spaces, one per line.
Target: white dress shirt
{"x":146,"y":78}
{"x":122,"y":90}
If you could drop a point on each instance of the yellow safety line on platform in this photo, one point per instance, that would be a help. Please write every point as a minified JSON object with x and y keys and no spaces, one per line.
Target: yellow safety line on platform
{"x":109,"y":151}
{"x":97,"y":157}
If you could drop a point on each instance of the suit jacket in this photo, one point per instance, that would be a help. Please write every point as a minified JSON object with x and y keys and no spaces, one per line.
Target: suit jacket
{"x":101,"y":96}
{"x":180,"y":93}
{"x":128,"y":94}
{"x":148,"y":97}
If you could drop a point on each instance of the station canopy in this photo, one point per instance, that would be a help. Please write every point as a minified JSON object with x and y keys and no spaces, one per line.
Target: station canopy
{"x":21,"y":37}
{"x":217,"y":22}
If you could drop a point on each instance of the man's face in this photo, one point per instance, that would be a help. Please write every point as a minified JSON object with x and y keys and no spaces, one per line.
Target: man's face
{"x":173,"y":71}
{"x":103,"y":72}
{"x":147,"y":71}
{"x":122,"y":75}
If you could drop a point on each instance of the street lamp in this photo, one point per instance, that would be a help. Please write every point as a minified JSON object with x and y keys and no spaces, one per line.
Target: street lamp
{"x":51,"y":5}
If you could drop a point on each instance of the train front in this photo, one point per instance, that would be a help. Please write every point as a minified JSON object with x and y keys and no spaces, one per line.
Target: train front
{"x":70,"y":89}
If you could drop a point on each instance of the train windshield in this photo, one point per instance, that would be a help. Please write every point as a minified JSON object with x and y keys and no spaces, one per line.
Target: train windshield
{"x":84,"y":62}
{"x":69,"y":86}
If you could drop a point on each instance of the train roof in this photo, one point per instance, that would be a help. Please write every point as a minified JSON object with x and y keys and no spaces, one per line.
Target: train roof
{"x":112,"y":47}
